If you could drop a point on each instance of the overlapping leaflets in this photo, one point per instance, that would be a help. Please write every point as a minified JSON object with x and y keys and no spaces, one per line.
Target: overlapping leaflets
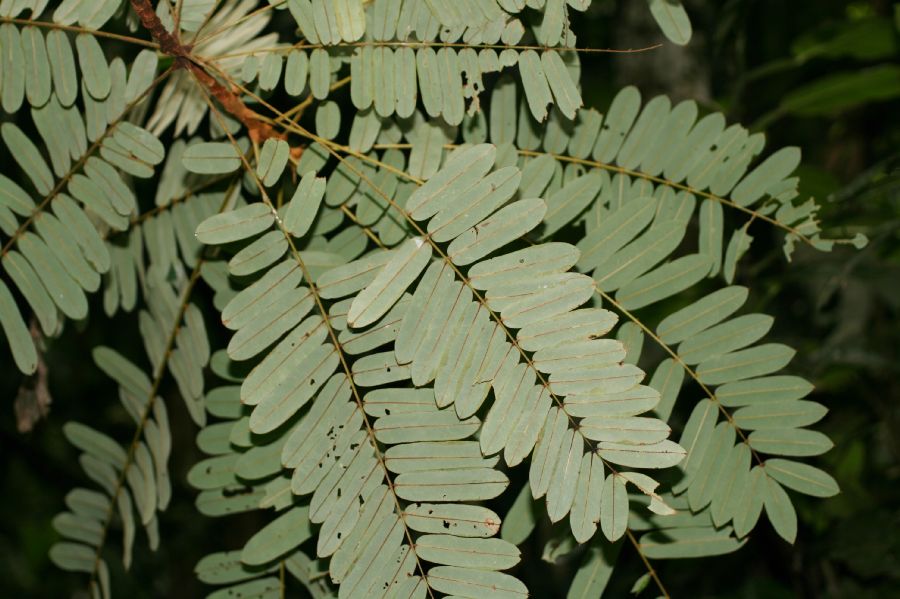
{"x":64,"y":257}
{"x":405,"y":328}
{"x":457,"y":335}
{"x":387,"y":75}
{"x":722,"y":471}
{"x":448,"y":333}
{"x":622,"y":161}
{"x":358,"y":496}
{"x":250,"y":481}
{"x":228,"y":34}
{"x":134,"y":480}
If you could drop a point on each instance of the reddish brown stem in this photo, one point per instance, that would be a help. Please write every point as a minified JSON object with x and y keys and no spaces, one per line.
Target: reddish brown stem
{"x":170,"y":44}
{"x":259,"y":130}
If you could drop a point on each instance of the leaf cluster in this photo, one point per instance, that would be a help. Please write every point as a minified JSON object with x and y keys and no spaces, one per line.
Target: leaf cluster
{"x":454,"y":276}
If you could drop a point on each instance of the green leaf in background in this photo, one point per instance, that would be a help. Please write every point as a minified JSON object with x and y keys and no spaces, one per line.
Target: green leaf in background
{"x":672,"y":19}
{"x":802,"y":478}
{"x":688,"y":543}
{"x":864,"y":39}
{"x":211,"y":158}
{"x":16,"y":332}
{"x":780,"y":511}
{"x":236,"y":224}
{"x":839,"y":92}
{"x":614,"y":503}
{"x":273,"y":158}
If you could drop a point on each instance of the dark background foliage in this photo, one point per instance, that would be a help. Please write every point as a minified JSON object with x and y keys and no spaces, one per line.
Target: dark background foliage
{"x":811,"y":73}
